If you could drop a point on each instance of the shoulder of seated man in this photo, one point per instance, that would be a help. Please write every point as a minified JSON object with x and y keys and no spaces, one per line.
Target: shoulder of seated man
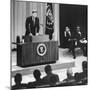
{"x":21,"y":86}
{"x":34,"y":84}
{"x":45,"y":79}
{"x":55,"y":75}
{"x":48,"y":77}
{"x":30,"y":85}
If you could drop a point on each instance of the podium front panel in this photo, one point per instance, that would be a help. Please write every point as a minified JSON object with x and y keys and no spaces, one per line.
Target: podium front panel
{"x":37,"y":53}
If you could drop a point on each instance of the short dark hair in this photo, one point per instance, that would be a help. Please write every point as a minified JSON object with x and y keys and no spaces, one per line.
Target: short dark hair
{"x":36,"y":74}
{"x":48,"y":68}
{"x":18,"y":78}
{"x":84,"y":64}
{"x":77,"y":76}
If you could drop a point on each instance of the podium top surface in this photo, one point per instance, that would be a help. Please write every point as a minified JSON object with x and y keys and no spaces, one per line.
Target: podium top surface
{"x":38,"y":38}
{"x":35,"y":42}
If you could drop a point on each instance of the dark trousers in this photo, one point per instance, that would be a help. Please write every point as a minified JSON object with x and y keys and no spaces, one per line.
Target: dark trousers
{"x":72,"y":47}
{"x":49,"y":32}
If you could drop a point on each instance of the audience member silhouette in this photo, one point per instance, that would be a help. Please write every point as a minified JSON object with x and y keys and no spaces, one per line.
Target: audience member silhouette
{"x":38,"y":80}
{"x":77,"y":78}
{"x":84,"y":67}
{"x":70,"y":77}
{"x":78,"y":34}
{"x":84,"y":73}
{"x":81,"y":78}
{"x":50,"y":78}
{"x":18,"y":84}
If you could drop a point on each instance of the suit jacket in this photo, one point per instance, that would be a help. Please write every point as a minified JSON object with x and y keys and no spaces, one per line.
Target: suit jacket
{"x":51,"y":79}
{"x":31,"y":26}
{"x":35,"y":84}
{"x":78,"y":36}
{"x":21,"y":86}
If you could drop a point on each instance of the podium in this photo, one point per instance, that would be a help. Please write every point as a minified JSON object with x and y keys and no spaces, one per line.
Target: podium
{"x":39,"y":51}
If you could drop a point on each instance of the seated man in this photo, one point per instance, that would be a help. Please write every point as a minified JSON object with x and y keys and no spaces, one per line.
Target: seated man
{"x":77,"y":78}
{"x":81,"y":42}
{"x":70,"y":77}
{"x":69,"y":80}
{"x":18,"y":84}
{"x":69,"y":40}
{"x":67,"y":35}
{"x":38,"y":81}
{"x":50,"y":78}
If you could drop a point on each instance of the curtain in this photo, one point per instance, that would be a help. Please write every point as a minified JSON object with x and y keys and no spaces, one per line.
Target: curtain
{"x":20,"y":10}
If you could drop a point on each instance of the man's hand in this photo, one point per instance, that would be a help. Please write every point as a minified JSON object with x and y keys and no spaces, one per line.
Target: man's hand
{"x":30,"y":34}
{"x":37,"y":34}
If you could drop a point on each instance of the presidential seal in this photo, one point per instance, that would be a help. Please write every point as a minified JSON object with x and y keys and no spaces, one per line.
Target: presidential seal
{"x":41,"y":49}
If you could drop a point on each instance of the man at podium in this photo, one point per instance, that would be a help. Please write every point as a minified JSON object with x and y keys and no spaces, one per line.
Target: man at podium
{"x":32,"y":24}
{"x":36,"y":48}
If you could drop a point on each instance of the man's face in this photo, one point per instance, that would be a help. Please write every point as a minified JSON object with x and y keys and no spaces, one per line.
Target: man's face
{"x":67,"y":29}
{"x":34,"y":14}
{"x":78,"y":29}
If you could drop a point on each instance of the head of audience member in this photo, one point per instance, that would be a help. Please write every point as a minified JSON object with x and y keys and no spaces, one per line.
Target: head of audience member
{"x":18,"y":78}
{"x":34,"y":13}
{"x":69,"y":73}
{"x":48,"y":69}
{"x":37,"y":74}
{"x":84,"y":66}
{"x":77,"y":77}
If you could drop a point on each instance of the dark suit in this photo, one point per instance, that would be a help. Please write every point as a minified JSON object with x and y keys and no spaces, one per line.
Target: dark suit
{"x":79,"y":44}
{"x":31,"y":26}
{"x":35,"y":84}
{"x":20,"y":86}
{"x":51,"y":79}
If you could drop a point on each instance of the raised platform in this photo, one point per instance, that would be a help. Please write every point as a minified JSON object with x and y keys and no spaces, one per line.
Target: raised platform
{"x":64,"y":62}
{"x":29,"y":70}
